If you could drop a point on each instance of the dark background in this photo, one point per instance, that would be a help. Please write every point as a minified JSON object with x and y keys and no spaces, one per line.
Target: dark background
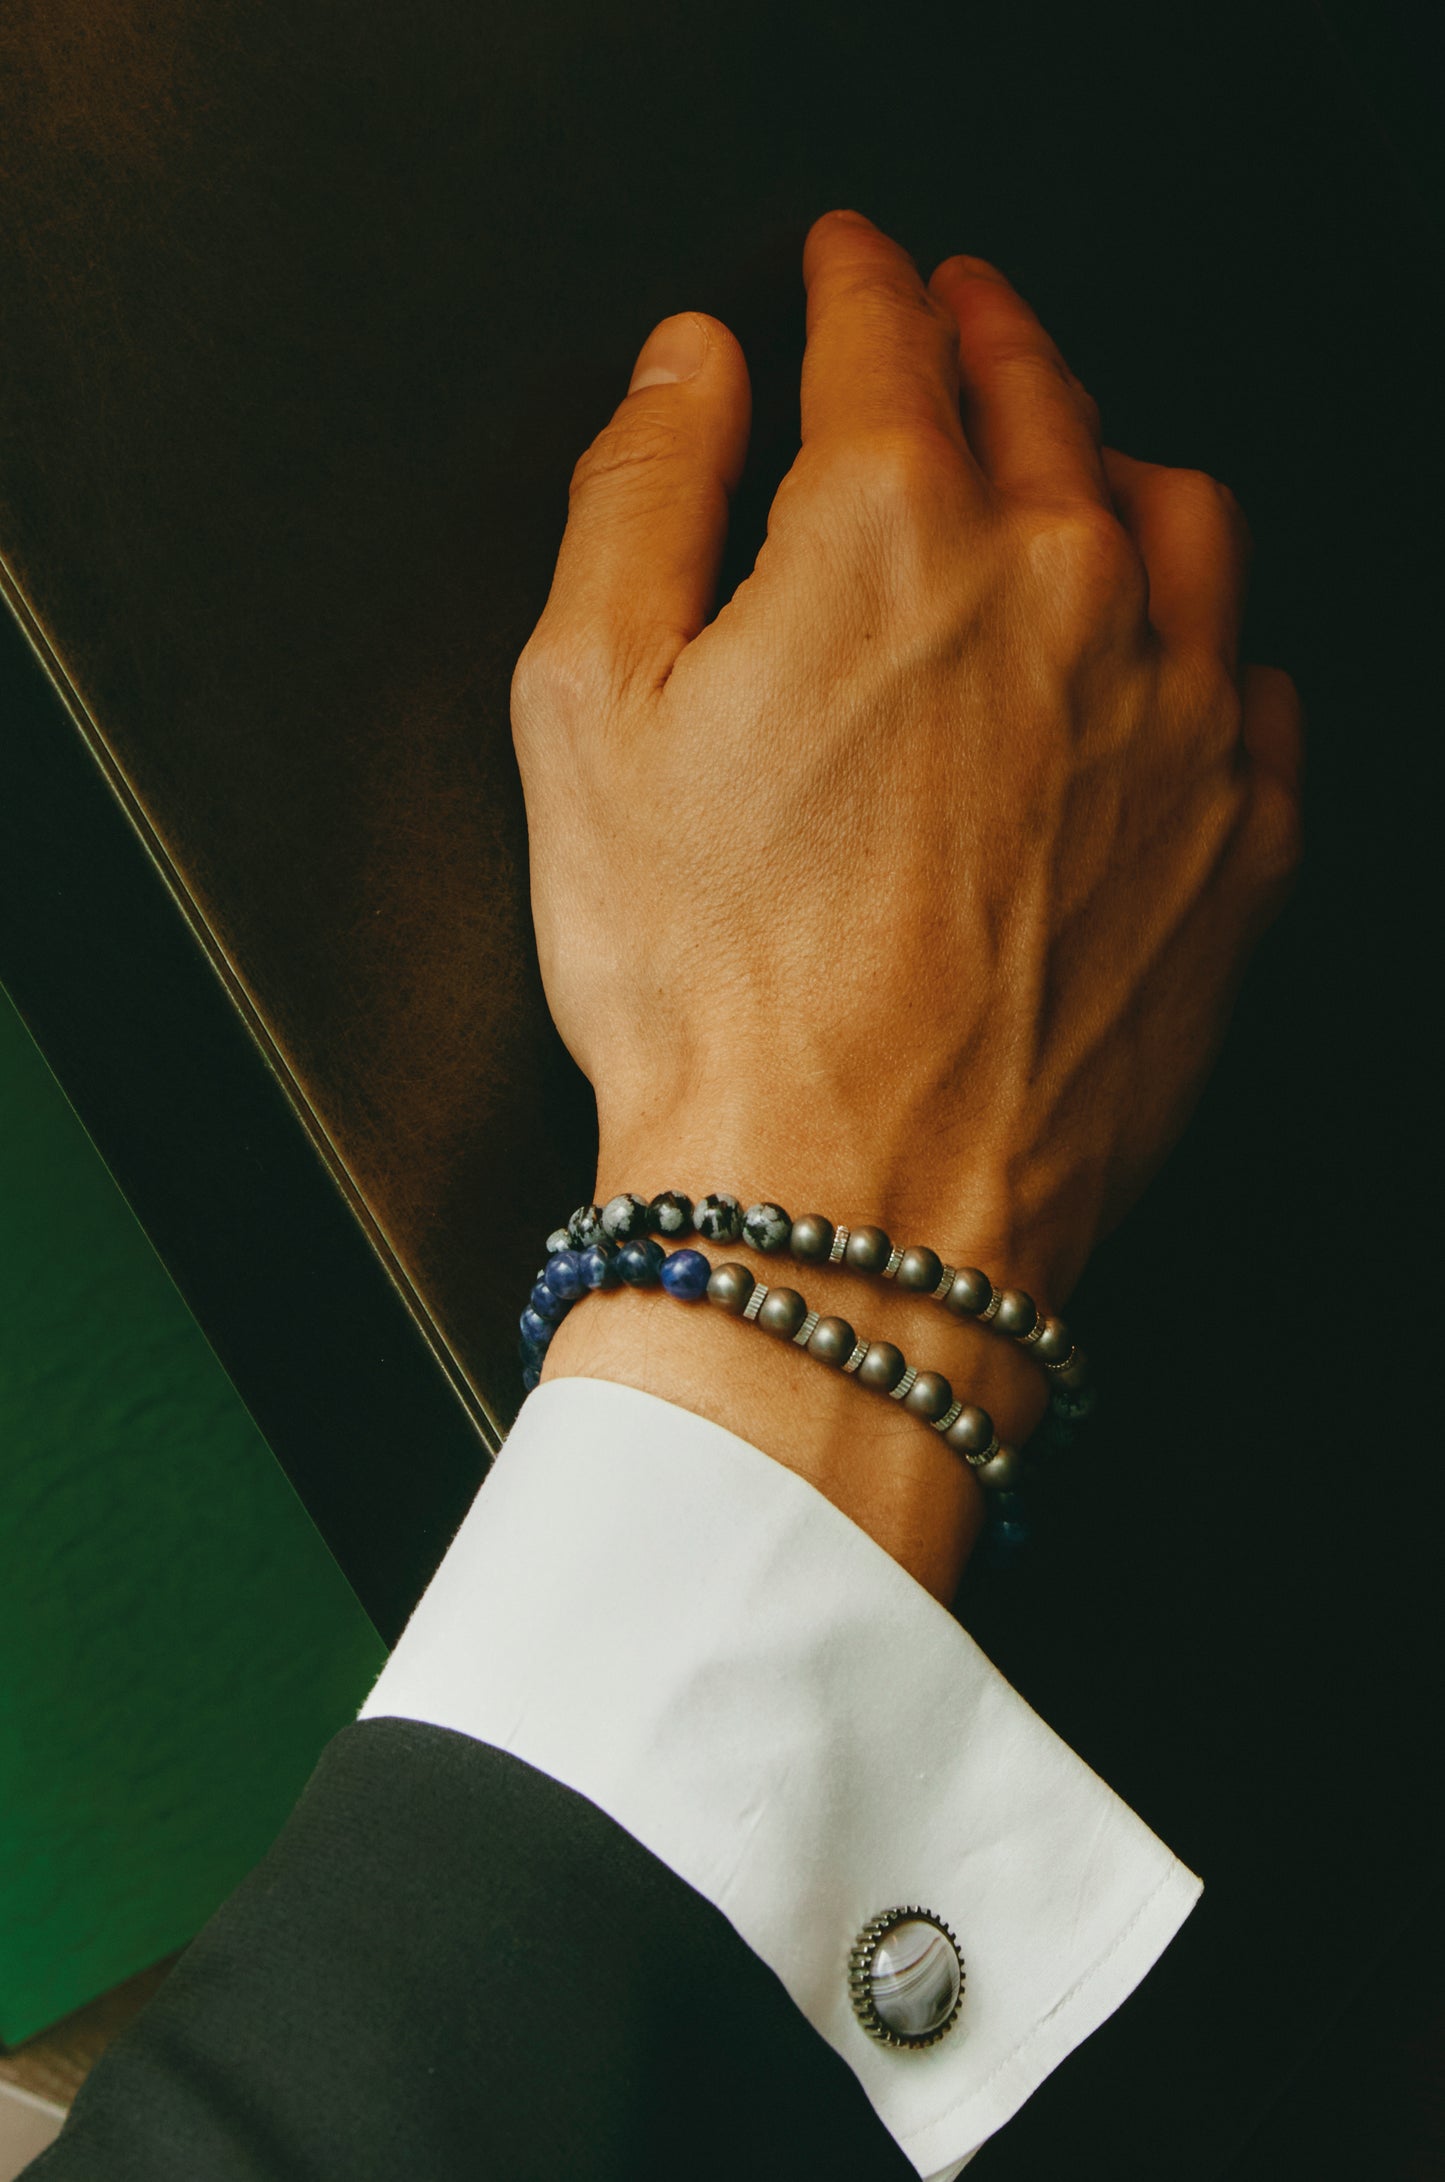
{"x":308,"y":311}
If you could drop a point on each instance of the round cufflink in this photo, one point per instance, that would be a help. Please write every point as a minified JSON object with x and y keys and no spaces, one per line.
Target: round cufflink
{"x":905,"y":1977}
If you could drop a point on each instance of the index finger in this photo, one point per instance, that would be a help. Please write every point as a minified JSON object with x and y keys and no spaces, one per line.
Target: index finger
{"x":882,"y":354}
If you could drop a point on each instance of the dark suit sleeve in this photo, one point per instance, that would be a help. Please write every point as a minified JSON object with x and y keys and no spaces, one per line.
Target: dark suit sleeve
{"x":449,"y":1965}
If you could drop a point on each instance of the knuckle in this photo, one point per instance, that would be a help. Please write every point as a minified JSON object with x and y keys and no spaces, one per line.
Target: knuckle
{"x":902,"y":471}
{"x":1211,"y":497}
{"x":1085,"y":559}
{"x":627,"y":452}
{"x":562,"y":671}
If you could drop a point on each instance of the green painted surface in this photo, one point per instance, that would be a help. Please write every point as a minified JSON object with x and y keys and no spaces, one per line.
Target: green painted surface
{"x":176,"y":1643}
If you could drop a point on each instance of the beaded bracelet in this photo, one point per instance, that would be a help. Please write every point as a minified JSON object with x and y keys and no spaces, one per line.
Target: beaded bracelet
{"x":966,"y":1292}
{"x":688,"y":1275}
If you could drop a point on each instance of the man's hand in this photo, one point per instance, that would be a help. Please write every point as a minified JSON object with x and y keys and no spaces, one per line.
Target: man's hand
{"x":915,"y":885}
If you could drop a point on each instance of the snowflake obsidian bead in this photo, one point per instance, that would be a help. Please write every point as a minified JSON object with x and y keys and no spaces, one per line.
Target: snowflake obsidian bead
{"x":718,"y":1217}
{"x":905,"y":1977}
{"x":766,"y":1227}
{"x":626,"y":1218}
{"x":585,"y":1227}
{"x":670,"y":1213}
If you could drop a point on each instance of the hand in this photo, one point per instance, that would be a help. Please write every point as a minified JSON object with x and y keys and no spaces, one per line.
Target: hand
{"x":916,"y":884}
{"x":921,"y":878}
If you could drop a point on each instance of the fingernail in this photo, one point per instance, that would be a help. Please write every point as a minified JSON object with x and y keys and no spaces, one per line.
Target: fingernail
{"x":672,"y":351}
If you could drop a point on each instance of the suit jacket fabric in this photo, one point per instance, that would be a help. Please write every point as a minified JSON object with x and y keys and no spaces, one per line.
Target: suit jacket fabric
{"x":665,"y":1730}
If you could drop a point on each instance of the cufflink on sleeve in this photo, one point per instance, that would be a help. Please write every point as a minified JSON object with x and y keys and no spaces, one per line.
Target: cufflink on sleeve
{"x":905,"y":1977}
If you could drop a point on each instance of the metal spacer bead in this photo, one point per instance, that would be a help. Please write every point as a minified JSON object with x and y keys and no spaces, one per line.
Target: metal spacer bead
{"x":896,"y":1393}
{"x":981,"y":1455}
{"x":857,"y":1357}
{"x":941,"y":1424}
{"x":1064,"y":1361}
{"x":950,"y":1275}
{"x":893,"y":1264}
{"x":990,"y":1309}
{"x":840,"y":1244}
{"x":1035,"y":1333}
{"x":756,"y":1300}
{"x":804,"y":1333}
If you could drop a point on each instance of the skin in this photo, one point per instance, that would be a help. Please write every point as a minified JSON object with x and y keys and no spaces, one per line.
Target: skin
{"x":914,"y":884}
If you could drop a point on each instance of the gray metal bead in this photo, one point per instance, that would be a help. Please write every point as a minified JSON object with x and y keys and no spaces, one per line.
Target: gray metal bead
{"x":1004,"y":1474}
{"x":625,"y":1218}
{"x":767,"y":1227}
{"x":1016,"y":1312}
{"x":729,"y":1288}
{"x":929,"y":1396}
{"x":671,"y":1213}
{"x":811,"y":1239}
{"x":970,"y":1431}
{"x":718,"y":1217}
{"x":1054,"y":1343}
{"x":585,"y":1227}
{"x":559,"y":1239}
{"x":832,"y":1341}
{"x":882,"y":1367}
{"x":1075,"y":1374}
{"x":920,"y":1269}
{"x":970,"y":1292}
{"x":783,"y":1312}
{"x":868,"y":1251}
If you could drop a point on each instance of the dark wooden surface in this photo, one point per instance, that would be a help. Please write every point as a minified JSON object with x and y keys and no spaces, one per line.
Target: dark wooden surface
{"x":308,"y":311}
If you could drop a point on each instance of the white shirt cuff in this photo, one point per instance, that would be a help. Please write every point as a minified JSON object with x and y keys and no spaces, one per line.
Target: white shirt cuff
{"x":658,"y":1615}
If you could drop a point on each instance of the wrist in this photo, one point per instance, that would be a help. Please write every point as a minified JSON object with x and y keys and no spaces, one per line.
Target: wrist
{"x":886,"y":1469}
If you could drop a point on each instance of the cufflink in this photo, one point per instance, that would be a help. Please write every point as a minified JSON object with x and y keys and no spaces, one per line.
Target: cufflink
{"x":905,"y":1977}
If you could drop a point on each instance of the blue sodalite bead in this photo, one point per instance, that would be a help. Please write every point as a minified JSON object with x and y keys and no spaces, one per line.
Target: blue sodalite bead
{"x":767,"y":1227}
{"x":564,"y":1276}
{"x":1073,"y":1403}
{"x":559,"y":1239}
{"x":1003,"y":1544}
{"x":585,"y":1226}
{"x":547,"y":1304}
{"x":531,"y":1378}
{"x":530,"y":1352}
{"x":640,"y":1262}
{"x":670,"y":1213}
{"x":718,"y":1217}
{"x":626,"y":1217}
{"x":598,"y":1266}
{"x":685,"y":1274}
{"x":538,"y":1330}
{"x":1008,"y":1508}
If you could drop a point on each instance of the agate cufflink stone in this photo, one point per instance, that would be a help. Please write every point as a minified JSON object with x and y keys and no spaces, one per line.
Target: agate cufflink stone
{"x":905,"y":1977}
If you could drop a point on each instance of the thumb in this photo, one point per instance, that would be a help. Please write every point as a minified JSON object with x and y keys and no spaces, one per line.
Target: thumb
{"x":648,"y":507}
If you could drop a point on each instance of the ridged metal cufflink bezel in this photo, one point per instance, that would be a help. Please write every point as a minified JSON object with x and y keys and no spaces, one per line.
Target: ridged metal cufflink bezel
{"x":860,"y":1975}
